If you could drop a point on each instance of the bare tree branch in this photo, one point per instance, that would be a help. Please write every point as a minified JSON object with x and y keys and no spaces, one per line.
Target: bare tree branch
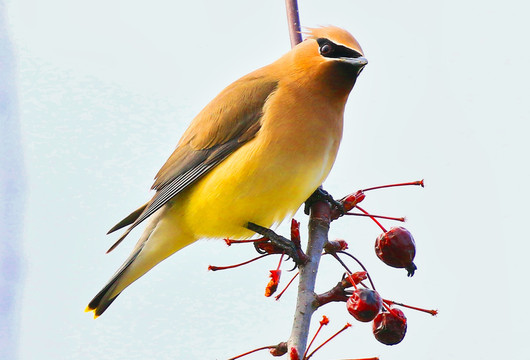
{"x":307,"y":300}
{"x":293,"y":20}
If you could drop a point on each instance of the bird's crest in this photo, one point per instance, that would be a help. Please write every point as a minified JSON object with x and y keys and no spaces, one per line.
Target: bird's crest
{"x":335,"y":34}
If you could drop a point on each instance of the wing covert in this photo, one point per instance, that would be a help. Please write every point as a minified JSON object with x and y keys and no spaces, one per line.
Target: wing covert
{"x":225,"y":124}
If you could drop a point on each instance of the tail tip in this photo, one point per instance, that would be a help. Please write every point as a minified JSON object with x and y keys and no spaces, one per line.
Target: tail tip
{"x":89,"y":309}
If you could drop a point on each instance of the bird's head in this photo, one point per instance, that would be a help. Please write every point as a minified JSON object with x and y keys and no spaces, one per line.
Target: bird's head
{"x":337,"y":46}
{"x":329,"y":54}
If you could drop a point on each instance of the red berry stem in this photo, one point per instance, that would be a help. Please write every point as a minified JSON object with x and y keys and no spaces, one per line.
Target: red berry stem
{"x":286,"y":286}
{"x":352,"y":282}
{"x":251,"y":351}
{"x":323,"y":322}
{"x":349,"y":272}
{"x":328,"y":340}
{"x":420,"y":183}
{"x":275,"y":350}
{"x":402,"y":219}
{"x":362,"y":266}
{"x":372,"y":217}
{"x":391,"y":302}
{"x":341,"y":262}
{"x":215,"y":268}
{"x":230,"y":241}
{"x":280,"y":262}
{"x":392,"y":311}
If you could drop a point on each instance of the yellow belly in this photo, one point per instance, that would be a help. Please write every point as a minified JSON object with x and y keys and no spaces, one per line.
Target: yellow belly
{"x":259,"y":183}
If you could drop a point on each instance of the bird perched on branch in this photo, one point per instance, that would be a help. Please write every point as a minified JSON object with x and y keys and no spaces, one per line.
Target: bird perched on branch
{"x":254,"y":154}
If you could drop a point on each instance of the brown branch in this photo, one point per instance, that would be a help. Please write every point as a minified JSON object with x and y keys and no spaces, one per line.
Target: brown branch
{"x":336,"y":293}
{"x":293,"y":20}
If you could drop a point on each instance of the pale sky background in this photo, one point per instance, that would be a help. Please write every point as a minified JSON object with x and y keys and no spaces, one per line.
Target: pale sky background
{"x":106,"y":88}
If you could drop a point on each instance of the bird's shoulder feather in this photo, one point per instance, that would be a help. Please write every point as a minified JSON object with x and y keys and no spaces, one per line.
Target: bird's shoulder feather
{"x":234,"y":114}
{"x":231,"y":119}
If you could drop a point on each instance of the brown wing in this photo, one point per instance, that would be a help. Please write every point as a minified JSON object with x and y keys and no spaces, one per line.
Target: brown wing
{"x":233,"y":114}
{"x":226,"y":123}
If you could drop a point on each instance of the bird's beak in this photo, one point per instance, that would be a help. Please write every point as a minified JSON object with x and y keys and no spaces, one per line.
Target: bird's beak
{"x":358,"y":62}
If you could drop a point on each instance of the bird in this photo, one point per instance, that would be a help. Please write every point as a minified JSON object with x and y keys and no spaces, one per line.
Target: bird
{"x":254,"y":154}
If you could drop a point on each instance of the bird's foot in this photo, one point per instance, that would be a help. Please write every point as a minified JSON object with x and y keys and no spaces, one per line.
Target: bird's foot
{"x":277,"y":244}
{"x":322,"y":195}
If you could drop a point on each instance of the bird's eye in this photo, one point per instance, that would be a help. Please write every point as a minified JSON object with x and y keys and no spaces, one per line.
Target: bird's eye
{"x":326,"y":49}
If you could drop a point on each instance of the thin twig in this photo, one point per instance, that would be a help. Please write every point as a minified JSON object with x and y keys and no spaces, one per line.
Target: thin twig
{"x":293,"y":20}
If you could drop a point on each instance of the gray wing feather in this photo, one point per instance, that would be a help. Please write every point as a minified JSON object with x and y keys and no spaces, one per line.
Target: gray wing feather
{"x":211,"y":158}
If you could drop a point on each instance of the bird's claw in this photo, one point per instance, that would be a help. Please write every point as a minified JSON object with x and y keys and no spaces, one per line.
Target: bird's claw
{"x":294,"y":267}
{"x":258,"y":248}
{"x":320,"y":194}
{"x":279,"y":244}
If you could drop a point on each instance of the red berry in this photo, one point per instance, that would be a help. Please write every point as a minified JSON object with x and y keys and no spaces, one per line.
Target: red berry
{"x":390,"y":328}
{"x":364,"y":304}
{"x":396,"y":248}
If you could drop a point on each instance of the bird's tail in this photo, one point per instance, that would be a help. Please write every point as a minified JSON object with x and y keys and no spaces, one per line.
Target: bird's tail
{"x":108,"y":294}
{"x":161,"y":238}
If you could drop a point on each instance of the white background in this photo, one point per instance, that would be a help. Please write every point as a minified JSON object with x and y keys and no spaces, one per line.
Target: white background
{"x":107,"y":87}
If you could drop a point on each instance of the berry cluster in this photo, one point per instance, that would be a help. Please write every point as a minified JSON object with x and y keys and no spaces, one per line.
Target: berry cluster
{"x":366,"y":304}
{"x":394,"y":247}
{"x":389,"y":324}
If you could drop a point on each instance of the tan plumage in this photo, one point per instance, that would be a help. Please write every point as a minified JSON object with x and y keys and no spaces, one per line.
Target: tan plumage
{"x":255,"y":153}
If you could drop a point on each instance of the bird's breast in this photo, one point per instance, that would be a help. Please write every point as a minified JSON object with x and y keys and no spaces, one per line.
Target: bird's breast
{"x":270,"y":176}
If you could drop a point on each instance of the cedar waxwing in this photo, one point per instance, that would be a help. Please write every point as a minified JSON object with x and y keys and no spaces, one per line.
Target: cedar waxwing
{"x":253,"y":154}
